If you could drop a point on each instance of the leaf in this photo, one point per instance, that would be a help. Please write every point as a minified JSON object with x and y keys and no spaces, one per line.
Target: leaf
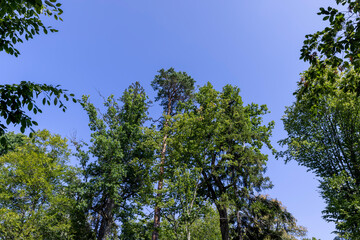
{"x":30,"y":106}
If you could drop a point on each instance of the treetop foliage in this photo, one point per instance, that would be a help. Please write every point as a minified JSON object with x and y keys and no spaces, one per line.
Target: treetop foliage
{"x":172,"y":87}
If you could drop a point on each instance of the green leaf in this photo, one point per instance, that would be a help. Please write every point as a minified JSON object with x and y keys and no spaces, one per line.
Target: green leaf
{"x":30,"y":106}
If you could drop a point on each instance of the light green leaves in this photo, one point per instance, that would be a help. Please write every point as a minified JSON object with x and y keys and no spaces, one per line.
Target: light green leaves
{"x":35,"y":202}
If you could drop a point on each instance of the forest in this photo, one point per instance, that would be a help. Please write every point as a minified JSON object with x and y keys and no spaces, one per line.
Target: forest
{"x":194,"y":169}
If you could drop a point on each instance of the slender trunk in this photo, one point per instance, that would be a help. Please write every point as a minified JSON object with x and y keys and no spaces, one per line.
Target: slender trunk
{"x":157,"y":212}
{"x":107,"y":220}
{"x":224,"y":222}
{"x":238,"y":219}
{"x":188,"y":233}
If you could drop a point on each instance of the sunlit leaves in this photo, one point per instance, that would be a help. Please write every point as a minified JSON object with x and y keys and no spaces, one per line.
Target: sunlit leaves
{"x":338,"y":44}
{"x":35,"y":199}
{"x":118,"y":179}
{"x":323,"y":135}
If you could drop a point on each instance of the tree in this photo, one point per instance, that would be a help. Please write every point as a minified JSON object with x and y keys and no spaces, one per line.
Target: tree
{"x":264,"y":218}
{"x":323,"y":135}
{"x":173,"y":89}
{"x":223,"y":138}
{"x":339,"y":44}
{"x":21,"y":19}
{"x":119,"y":176}
{"x":35,"y":200}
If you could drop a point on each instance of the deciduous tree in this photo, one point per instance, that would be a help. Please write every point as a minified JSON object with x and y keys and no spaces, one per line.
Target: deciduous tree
{"x":323,"y":135}
{"x":119,"y":174}
{"x":35,"y":197}
{"x":338,"y":44}
{"x":224,"y":139}
{"x":21,"y":19}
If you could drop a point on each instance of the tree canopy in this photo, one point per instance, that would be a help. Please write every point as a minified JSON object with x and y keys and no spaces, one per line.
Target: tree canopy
{"x":119,"y":176}
{"x":223,"y":138}
{"x":36,"y":198}
{"x":323,"y":135}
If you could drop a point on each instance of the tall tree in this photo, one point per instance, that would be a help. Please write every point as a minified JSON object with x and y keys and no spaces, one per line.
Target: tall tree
{"x":224,"y":139}
{"x":323,"y":135}
{"x":122,"y":148}
{"x":173,"y":88}
{"x":35,"y":195}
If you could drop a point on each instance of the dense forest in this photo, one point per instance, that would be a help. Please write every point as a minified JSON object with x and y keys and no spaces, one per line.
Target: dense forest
{"x":197,"y":170}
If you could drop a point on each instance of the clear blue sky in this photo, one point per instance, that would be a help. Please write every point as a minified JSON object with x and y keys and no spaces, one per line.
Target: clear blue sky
{"x":105,"y":45}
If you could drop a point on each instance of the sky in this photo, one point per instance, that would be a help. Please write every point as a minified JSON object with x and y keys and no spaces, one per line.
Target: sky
{"x":105,"y":45}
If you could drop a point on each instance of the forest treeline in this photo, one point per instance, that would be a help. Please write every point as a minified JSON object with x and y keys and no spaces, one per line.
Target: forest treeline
{"x":195,"y":172}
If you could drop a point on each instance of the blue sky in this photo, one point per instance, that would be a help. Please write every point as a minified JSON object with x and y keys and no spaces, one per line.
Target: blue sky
{"x":105,"y":45}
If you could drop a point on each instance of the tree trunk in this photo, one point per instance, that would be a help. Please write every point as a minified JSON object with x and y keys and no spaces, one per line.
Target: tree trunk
{"x":157,"y":212}
{"x":188,"y":233}
{"x":238,"y":219}
{"x":224,"y":222}
{"x":107,"y":220}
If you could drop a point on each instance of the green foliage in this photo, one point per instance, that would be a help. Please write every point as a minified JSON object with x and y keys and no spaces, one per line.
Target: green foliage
{"x":18,"y":19}
{"x":174,"y":89}
{"x":35,"y":197}
{"x":338,"y":44}
{"x":264,"y":218}
{"x":323,"y":130}
{"x":14,"y":98}
{"x":21,"y":19}
{"x":223,"y":138}
{"x":181,"y":203}
{"x":205,"y":226}
{"x":12,"y":141}
{"x":118,"y":178}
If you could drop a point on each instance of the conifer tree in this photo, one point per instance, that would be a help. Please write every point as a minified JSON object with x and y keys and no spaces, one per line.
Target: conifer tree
{"x":172,"y":88}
